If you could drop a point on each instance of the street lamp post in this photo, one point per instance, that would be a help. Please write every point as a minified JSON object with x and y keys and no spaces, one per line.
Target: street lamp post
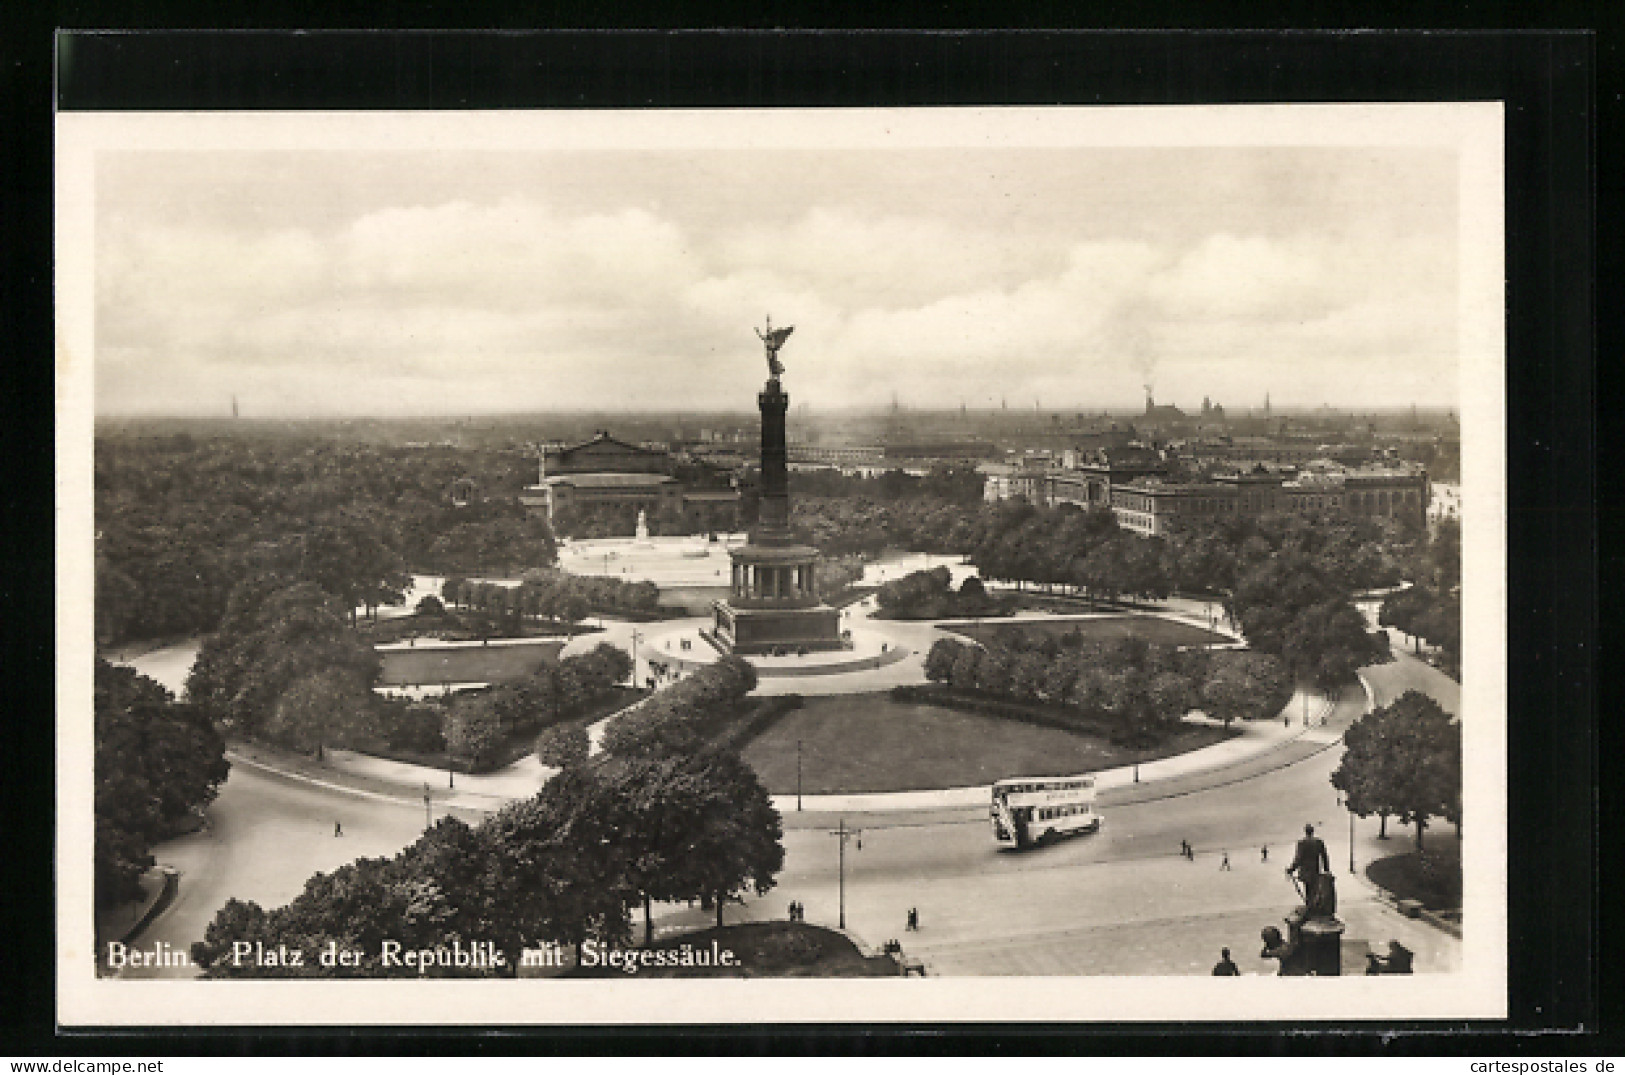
{"x":428,"y":809}
{"x":843,"y":834}
{"x":1306,"y":705}
{"x":1349,"y":806}
{"x":798,"y":776}
{"x":636,"y":638}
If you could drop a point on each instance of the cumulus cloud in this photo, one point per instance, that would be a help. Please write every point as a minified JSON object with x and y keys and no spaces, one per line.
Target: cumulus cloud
{"x":518,"y":301}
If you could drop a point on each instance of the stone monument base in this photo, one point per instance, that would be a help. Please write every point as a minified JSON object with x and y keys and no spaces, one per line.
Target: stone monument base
{"x":764,"y":630}
{"x":1319,"y":941}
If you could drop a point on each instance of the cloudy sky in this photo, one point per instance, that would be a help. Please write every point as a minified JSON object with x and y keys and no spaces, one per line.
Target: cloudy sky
{"x":427,"y":281}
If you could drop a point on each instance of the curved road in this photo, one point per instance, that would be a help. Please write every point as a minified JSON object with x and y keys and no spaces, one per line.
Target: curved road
{"x":267,"y":834}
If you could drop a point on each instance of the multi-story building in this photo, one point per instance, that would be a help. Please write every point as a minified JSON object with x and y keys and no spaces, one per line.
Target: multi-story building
{"x":1091,"y":478}
{"x":1006,"y":481}
{"x":1151,"y":506}
{"x":606,"y":471}
{"x":1250,"y":451}
{"x":836,"y":455}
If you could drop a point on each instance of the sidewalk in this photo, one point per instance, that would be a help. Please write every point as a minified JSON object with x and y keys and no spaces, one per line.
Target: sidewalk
{"x":520,"y":780}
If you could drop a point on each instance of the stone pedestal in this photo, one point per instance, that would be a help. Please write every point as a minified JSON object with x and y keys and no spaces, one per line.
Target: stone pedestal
{"x":1317,"y":942}
{"x":1322,"y":941}
{"x":773,"y":603}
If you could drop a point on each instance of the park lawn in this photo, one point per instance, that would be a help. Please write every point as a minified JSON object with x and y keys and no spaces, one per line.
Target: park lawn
{"x":854,"y":743}
{"x":466,"y":664}
{"x":1431,"y":877}
{"x":763,"y":950}
{"x":1096,"y":629}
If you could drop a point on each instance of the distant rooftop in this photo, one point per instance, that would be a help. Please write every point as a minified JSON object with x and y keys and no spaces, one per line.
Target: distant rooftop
{"x":609,"y":481}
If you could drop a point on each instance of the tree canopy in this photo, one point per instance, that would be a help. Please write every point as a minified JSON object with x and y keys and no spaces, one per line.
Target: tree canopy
{"x":684,"y":717}
{"x":1130,"y":689}
{"x":1403,"y":760}
{"x":276,"y":636}
{"x":566,"y":866}
{"x":157,"y":761}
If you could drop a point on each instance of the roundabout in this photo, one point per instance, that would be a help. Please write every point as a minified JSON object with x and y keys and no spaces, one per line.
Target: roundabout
{"x":686,"y":649}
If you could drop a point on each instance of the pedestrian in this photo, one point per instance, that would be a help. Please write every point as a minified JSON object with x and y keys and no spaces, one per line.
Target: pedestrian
{"x":1264,"y":853}
{"x":792,"y":910}
{"x":338,"y":830}
{"x":1226,"y":967}
{"x":1224,"y":861}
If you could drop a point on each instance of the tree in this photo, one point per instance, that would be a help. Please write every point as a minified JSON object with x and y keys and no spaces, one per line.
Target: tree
{"x":157,"y":761}
{"x":563,"y":746}
{"x":562,"y":861}
{"x":1403,"y":759}
{"x":1242,"y":685}
{"x":325,"y":708}
{"x":413,"y":726}
{"x":350,"y":561}
{"x":272,"y":636}
{"x":1327,"y":642}
{"x":435,"y":893}
{"x":685,"y":716}
{"x":601,"y":667}
{"x":473,"y":732}
{"x":939,"y":661}
{"x":720,"y":835}
{"x":1171,"y":696}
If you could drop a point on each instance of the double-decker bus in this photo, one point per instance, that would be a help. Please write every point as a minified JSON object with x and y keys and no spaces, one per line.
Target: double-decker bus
{"x":1030,"y":810}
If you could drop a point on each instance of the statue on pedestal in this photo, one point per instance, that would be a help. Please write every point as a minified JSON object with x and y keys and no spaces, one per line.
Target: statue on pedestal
{"x":1313,"y":944}
{"x":1313,"y":867}
{"x":773,"y":339}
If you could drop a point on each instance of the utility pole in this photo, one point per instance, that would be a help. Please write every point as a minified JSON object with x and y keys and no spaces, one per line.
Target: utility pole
{"x":636,"y":638}
{"x":798,"y":776}
{"x":843,"y":834}
{"x":1349,"y":806}
{"x":428,"y":807}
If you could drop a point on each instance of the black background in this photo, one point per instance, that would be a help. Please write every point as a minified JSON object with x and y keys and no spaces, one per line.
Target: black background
{"x":1558,"y":115}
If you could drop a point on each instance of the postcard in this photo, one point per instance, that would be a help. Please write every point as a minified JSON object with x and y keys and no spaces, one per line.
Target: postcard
{"x":798,"y":566}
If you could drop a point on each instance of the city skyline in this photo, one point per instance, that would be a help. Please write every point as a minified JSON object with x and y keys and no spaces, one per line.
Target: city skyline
{"x":307,"y":279}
